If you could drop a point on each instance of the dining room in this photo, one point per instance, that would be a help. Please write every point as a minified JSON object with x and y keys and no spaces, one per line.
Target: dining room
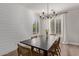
{"x":39,"y":29}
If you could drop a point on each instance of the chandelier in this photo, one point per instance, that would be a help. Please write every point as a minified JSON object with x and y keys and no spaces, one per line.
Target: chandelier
{"x":48,"y":15}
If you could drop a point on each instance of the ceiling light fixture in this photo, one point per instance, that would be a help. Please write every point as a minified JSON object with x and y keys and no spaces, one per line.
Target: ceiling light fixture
{"x":50,"y":13}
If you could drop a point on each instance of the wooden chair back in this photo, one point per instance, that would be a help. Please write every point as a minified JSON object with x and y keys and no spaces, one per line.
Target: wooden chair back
{"x":24,"y":51}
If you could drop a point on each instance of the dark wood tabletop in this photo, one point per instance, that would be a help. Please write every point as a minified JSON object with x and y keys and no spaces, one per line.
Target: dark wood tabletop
{"x":40,"y":42}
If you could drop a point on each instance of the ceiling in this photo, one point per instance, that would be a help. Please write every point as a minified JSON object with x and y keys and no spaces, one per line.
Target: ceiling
{"x":39,"y":7}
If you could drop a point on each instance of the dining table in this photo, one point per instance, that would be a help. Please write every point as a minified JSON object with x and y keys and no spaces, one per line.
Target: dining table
{"x":41,"y":43}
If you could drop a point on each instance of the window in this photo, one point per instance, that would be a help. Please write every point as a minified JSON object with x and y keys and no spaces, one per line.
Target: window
{"x":58,"y":26}
{"x":35,"y":27}
{"x":55,"y":25}
{"x":52,"y":26}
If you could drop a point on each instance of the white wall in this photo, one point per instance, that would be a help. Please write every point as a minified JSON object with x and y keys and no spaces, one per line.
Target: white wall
{"x":15,"y":25}
{"x":71,"y":22}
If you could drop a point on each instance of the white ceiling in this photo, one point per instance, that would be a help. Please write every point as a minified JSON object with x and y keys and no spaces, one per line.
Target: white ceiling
{"x":39,"y":7}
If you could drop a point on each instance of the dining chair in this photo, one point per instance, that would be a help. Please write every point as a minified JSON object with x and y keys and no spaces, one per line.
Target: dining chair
{"x":55,"y":49}
{"x":23,"y":50}
{"x":36,"y":53}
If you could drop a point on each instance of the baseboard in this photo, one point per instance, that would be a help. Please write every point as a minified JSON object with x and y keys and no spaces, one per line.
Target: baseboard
{"x":6,"y":52}
{"x":73,"y":43}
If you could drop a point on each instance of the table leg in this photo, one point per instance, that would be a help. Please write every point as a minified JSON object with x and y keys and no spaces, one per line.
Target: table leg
{"x":45,"y":53}
{"x":32,"y":50}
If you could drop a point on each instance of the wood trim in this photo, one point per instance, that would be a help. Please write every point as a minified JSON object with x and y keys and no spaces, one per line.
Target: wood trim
{"x":72,"y":43}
